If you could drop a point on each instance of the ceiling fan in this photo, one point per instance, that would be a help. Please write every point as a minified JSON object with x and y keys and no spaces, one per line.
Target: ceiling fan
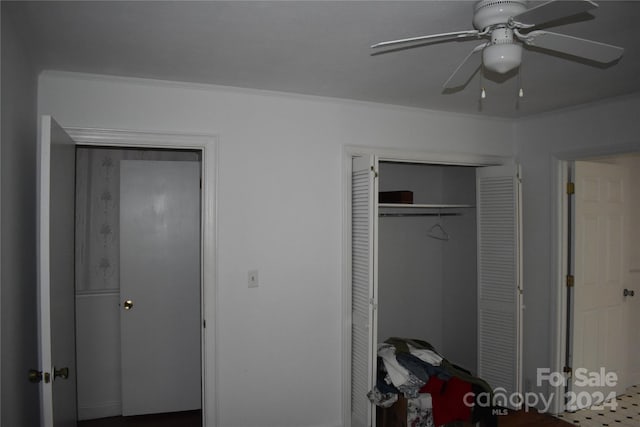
{"x":509,"y":25}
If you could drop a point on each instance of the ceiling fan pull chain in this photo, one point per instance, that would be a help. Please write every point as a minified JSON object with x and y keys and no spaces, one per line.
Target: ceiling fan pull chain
{"x":520,"y":90}
{"x":483,"y":93}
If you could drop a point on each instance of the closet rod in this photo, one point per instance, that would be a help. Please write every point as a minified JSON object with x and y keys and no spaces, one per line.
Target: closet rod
{"x":419,"y":214}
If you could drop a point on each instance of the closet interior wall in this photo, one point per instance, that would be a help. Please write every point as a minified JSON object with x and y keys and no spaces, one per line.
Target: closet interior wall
{"x":426,"y":286}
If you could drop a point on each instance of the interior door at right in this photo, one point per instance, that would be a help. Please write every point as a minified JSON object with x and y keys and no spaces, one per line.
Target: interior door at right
{"x":160,"y":286}
{"x":598,"y":311}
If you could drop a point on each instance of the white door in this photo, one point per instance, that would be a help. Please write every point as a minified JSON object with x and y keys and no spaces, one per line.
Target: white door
{"x":633,"y":302}
{"x":56,"y":226}
{"x":499,"y":278}
{"x":363,"y":289}
{"x":599,"y":339}
{"x":160,"y":286}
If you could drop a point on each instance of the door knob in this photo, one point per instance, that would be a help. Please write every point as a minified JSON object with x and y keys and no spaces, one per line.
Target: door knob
{"x":128,"y":304}
{"x":36,"y":376}
{"x":629,"y":293}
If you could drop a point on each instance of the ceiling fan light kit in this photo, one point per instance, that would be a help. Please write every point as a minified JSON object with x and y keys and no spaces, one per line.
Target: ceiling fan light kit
{"x":504,"y":53}
{"x":510,"y":26}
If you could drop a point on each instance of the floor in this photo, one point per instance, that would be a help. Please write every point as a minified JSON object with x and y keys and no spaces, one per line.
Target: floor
{"x":174,"y":419}
{"x":189,"y":419}
{"x":530,"y":418}
{"x":625,"y":414}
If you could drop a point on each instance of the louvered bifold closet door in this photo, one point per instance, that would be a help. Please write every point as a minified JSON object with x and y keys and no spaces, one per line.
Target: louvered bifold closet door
{"x":362,"y":289}
{"x":499,"y":278}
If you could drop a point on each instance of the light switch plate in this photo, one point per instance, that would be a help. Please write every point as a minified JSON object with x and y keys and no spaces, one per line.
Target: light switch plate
{"x":253,"y":278}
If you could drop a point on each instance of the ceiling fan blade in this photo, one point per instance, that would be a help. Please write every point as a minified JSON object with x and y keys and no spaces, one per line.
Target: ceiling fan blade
{"x":589,"y":49}
{"x":433,"y":37}
{"x":551,"y":11}
{"x":466,"y":69}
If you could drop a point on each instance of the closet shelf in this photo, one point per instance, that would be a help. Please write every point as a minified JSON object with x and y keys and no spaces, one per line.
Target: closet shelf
{"x":403,"y":209}
{"x":424,"y":206}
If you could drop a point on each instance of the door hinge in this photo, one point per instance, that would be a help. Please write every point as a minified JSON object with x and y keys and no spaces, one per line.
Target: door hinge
{"x":375,"y":172}
{"x":571,"y":188}
{"x":570,"y":281}
{"x":567,"y":370}
{"x":373,"y":304}
{"x":204,"y":323}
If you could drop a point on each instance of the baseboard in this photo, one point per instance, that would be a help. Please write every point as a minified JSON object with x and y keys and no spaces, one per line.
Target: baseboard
{"x":103,"y":410}
{"x":634,"y":379}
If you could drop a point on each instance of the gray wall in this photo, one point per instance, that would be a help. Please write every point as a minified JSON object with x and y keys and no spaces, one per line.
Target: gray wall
{"x":18,"y":292}
{"x":280,"y":204}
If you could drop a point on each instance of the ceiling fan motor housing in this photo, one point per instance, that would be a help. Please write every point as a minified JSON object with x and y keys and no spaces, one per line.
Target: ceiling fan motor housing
{"x":504,"y":53}
{"x":488,"y":13}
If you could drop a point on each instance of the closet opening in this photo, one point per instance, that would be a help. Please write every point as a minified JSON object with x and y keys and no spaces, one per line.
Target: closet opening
{"x":434,"y":256}
{"x":427,"y":268}
{"x":138,"y":285}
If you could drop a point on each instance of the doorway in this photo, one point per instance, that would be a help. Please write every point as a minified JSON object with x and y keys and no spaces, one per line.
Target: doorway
{"x":111,"y":266}
{"x":56,"y":229}
{"x":602,"y":263}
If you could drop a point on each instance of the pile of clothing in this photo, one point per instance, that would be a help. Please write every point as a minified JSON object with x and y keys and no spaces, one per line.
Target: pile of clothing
{"x":438,"y":392}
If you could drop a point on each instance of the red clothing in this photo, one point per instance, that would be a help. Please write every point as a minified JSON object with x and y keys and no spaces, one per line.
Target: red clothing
{"x":448,"y":399}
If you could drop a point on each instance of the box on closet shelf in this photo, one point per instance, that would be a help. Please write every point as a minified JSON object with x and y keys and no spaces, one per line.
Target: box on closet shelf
{"x":401,"y":197}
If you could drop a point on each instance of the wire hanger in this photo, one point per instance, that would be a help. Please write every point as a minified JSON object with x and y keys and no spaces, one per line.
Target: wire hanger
{"x":438,"y":232}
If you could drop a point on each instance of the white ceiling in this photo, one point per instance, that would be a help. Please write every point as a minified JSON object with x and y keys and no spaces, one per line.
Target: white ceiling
{"x":322,"y":48}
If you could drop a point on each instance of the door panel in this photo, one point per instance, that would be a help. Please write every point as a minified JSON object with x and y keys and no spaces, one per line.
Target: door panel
{"x":599,"y":338}
{"x":56,"y":216}
{"x":499,"y":278}
{"x":363,"y":321}
{"x":160,"y":275}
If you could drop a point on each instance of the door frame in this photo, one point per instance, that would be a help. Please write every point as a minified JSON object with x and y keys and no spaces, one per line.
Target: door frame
{"x":561,"y":163}
{"x":208,"y":146}
{"x":385,"y":154}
